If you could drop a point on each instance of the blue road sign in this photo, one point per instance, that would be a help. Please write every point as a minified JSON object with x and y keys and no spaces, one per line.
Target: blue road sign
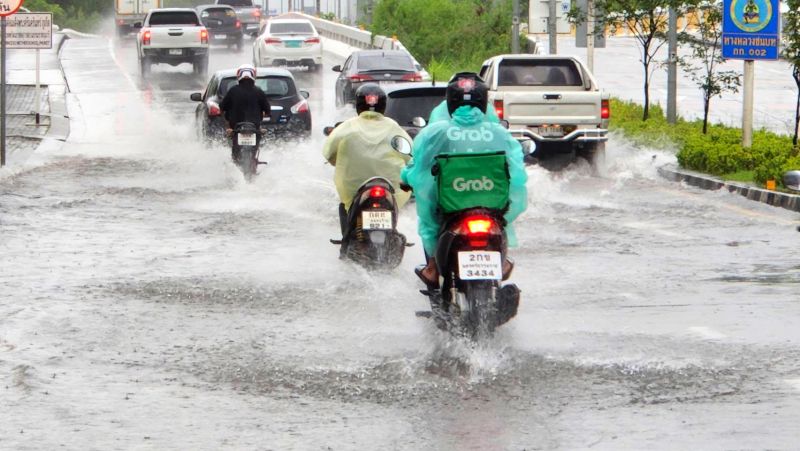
{"x":750,"y":29}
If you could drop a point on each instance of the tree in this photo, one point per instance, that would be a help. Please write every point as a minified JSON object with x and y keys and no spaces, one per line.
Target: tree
{"x":791,"y":51}
{"x":707,"y":50}
{"x":647,"y":20}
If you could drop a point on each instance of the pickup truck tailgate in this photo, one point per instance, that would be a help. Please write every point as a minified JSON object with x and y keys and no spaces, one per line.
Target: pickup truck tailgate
{"x":178,"y":36}
{"x":532,"y":108}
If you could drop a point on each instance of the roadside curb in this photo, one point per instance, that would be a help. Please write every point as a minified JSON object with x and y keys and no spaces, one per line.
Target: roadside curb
{"x":774,"y":198}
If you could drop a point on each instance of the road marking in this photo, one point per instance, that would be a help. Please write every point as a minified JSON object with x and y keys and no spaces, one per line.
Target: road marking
{"x":795,"y":383}
{"x":119,"y":65}
{"x":707,"y":332}
{"x":737,"y":209}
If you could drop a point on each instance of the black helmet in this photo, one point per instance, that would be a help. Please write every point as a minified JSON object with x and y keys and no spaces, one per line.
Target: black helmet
{"x":370,"y":97}
{"x":466,"y":88}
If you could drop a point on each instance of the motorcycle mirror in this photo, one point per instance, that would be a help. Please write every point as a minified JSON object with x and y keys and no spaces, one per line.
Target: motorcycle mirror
{"x":327,"y":130}
{"x":337,"y":68}
{"x":791,"y":180}
{"x":419,"y":122}
{"x":196,"y":96}
{"x":504,"y":123}
{"x":305,"y":94}
{"x":401,"y":145}
{"x":528,"y":146}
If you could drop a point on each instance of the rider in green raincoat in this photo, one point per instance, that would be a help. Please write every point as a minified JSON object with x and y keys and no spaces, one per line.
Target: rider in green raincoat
{"x":468,"y":131}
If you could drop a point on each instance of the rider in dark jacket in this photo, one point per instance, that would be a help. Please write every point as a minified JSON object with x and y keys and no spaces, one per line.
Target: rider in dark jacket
{"x":245,"y":102}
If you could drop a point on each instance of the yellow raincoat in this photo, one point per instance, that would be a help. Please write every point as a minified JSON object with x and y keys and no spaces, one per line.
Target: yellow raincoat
{"x":360,"y":148}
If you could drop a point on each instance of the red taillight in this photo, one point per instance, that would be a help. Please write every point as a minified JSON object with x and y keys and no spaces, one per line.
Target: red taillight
{"x":377,"y":192}
{"x":312,"y":41}
{"x":204,"y":36}
{"x":605,"y":109}
{"x":238,"y":24}
{"x":257,"y":13}
{"x":270,"y":41}
{"x":416,"y":76}
{"x":145,"y":37}
{"x":213,"y":109}
{"x":479,"y":224}
{"x":478,"y":228}
{"x":498,"y":108}
{"x":120,"y":22}
{"x":299,"y":107}
{"x":359,"y":78}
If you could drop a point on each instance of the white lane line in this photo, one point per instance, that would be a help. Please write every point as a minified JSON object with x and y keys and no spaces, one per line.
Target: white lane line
{"x":119,"y":65}
{"x":795,"y":383}
{"x":707,"y":333}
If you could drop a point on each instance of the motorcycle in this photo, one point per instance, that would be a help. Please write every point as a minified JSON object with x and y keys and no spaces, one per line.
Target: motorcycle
{"x":369,"y":229}
{"x":245,"y":142}
{"x":470,"y":255}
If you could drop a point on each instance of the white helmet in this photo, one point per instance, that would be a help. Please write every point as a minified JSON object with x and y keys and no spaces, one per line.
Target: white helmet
{"x":246,"y":71}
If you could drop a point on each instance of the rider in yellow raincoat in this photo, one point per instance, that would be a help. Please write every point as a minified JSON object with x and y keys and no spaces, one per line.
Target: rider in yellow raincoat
{"x":360,"y":148}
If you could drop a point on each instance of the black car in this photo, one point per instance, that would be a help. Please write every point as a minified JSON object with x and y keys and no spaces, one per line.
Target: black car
{"x":224,"y":28}
{"x":406,"y":101}
{"x":290,"y":116}
{"x":384,"y":67}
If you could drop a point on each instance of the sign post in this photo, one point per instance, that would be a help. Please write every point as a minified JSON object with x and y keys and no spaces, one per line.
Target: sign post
{"x":7,"y":8}
{"x":750,"y":31}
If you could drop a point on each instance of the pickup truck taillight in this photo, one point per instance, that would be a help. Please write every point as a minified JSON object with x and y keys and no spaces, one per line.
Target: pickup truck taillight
{"x":498,"y":108}
{"x":312,"y":41}
{"x":271,"y":41}
{"x":238,"y":24}
{"x":605,"y":110}
{"x":146,"y":37}
{"x":213,"y":109}
{"x":203,"y":36}
{"x":416,"y":76}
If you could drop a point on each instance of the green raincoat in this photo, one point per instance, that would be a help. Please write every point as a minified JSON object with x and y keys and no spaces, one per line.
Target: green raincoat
{"x":360,"y":148}
{"x":459,"y":136}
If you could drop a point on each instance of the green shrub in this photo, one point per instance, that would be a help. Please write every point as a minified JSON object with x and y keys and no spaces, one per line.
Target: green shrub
{"x":718,"y":152}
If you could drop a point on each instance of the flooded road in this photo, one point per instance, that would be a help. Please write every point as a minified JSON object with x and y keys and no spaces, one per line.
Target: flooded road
{"x":154,"y":300}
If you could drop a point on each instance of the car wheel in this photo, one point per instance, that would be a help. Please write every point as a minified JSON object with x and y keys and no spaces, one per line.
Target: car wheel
{"x":145,"y":65}
{"x":200,"y":66}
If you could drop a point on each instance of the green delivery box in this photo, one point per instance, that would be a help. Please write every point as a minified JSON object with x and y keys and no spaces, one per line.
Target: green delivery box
{"x":470,"y":180}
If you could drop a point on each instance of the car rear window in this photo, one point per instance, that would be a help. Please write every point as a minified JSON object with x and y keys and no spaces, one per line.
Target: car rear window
{"x":218,"y":13}
{"x":174,"y":18}
{"x":531,"y":72}
{"x":272,"y":86}
{"x":405,"y":105}
{"x":235,"y":2}
{"x":291,"y":28}
{"x":385,"y":62}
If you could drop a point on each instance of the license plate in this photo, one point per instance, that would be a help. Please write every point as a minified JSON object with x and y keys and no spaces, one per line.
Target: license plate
{"x":386,"y":82}
{"x":480,"y":265}
{"x":552,"y":130}
{"x":247,"y":139}
{"x":176,"y":51}
{"x":221,"y":36}
{"x":292,"y":44}
{"x":376,"y":220}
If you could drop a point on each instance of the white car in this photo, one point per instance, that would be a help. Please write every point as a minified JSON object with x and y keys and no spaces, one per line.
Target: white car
{"x":288,"y":42}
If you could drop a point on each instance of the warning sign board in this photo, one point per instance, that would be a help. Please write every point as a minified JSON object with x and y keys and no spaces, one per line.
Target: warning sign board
{"x":9,"y":7}
{"x":29,"y":31}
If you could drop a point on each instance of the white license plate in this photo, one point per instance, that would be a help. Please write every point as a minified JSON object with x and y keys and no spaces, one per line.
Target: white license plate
{"x":176,"y":51}
{"x":386,"y":82}
{"x":247,"y":139}
{"x":480,"y":265}
{"x":553,"y":130}
{"x":221,"y":36}
{"x":376,"y":220}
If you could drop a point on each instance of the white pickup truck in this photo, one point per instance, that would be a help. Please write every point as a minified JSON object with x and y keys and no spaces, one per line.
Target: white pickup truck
{"x":172,"y":36}
{"x":553,"y":100}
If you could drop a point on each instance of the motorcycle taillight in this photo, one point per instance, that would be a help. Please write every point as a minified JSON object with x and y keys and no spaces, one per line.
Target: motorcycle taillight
{"x":377,"y":192}
{"x":478,"y":229}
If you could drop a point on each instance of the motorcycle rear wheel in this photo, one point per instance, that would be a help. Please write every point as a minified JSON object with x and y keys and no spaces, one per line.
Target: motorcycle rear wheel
{"x":247,"y":163}
{"x":480,"y":320}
